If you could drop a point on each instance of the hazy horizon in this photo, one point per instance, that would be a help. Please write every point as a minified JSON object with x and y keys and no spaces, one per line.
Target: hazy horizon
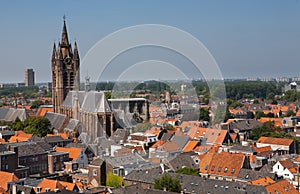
{"x":254,"y":39}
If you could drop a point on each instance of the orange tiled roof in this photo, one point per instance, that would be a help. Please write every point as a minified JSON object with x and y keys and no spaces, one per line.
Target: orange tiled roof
{"x":287,"y":163}
{"x":185,"y":124}
{"x":169,"y":146}
{"x":20,"y":136}
{"x":278,"y":141}
{"x":6,"y":177}
{"x":154,"y":131}
{"x":233,"y":136}
{"x":190,"y":146}
{"x":277,"y":121}
{"x":263,"y":149}
{"x":236,"y":111}
{"x":216,"y":136}
{"x":2,"y":141}
{"x":43,"y":110}
{"x":54,"y":184}
{"x":281,"y":187}
{"x":196,"y":132}
{"x":62,"y":135}
{"x":73,"y":152}
{"x":221,"y":164}
{"x":262,"y":181}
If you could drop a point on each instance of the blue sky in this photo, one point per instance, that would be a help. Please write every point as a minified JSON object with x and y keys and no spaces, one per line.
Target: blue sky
{"x":253,"y":38}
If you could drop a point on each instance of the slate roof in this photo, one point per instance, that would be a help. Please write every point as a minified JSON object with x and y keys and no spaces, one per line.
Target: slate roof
{"x":181,"y":141}
{"x":145,"y":175}
{"x":97,"y":162}
{"x":68,"y":102}
{"x":182,"y":160}
{"x":95,"y":102}
{"x":29,"y":150}
{"x":139,"y":189}
{"x":242,"y":125}
{"x":125,"y":160}
{"x":56,"y":120}
{"x":120,"y":135}
{"x":195,"y":184}
{"x":250,"y":175}
{"x":72,"y":124}
{"x":242,"y":149}
{"x":10,"y":114}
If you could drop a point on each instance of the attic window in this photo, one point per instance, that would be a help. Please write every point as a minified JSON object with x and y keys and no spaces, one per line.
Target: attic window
{"x":225,"y":169}
{"x":212,"y":168}
{"x":219,"y":169}
{"x":232,"y":171}
{"x":206,"y":167}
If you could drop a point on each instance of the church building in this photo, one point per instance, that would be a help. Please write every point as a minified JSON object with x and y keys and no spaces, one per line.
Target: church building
{"x":94,"y":115}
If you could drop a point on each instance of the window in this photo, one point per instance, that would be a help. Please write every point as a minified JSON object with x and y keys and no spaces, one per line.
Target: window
{"x":212,"y":168}
{"x":232,"y":171}
{"x":225,"y":169}
{"x":95,"y":172}
{"x":219,"y":169}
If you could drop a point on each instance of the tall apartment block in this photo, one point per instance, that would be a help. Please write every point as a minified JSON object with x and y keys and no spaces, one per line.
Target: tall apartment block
{"x":29,"y":77}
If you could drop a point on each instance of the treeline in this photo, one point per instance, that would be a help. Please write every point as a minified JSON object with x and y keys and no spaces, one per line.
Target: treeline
{"x":252,"y":89}
{"x":14,"y":91}
{"x":234,"y":90}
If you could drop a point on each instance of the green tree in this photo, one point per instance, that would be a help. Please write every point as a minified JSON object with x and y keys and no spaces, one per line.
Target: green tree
{"x":167,"y":182}
{"x":114,"y":180}
{"x":39,"y":126}
{"x":36,"y":104}
{"x":289,"y":113}
{"x":17,"y":125}
{"x":204,"y":114}
{"x":259,"y":114}
{"x":188,"y":171}
{"x":267,"y":129}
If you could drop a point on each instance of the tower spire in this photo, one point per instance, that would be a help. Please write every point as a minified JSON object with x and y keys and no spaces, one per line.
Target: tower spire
{"x":76,"y":55}
{"x":64,"y":36}
{"x":54,"y":52}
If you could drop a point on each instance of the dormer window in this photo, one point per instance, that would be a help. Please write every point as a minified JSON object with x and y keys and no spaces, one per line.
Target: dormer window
{"x":206,"y":167}
{"x":219,"y":169}
{"x":232,"y":171}
{"x":225,"y":169}
{"x":212,"y":168}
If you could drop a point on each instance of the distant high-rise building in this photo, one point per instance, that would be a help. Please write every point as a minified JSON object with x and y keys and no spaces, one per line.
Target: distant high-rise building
{"x":29,"y":77}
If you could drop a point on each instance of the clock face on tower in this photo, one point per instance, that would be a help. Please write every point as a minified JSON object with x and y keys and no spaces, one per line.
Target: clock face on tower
{"x":68,"y":61}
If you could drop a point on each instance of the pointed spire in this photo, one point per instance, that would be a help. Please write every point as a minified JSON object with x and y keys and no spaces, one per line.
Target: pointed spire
{"x":59,"y":53}
{"x":54,"y":52}
{"x":76,"y":55}
{"x":64,"y":36}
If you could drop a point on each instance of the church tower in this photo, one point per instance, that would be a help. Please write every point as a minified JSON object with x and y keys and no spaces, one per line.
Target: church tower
{"x":65,"y":69}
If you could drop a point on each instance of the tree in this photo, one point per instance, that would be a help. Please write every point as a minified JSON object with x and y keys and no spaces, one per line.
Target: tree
{"x":204,"y":114}
{"x":36,"y":104}
{"x":17,"y":125}
{"x":114,"y":181}
{"x":267,"y":129}
{"x":167,"y":182}
{"x":39,"y":126}
{"x":188,"y":171}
